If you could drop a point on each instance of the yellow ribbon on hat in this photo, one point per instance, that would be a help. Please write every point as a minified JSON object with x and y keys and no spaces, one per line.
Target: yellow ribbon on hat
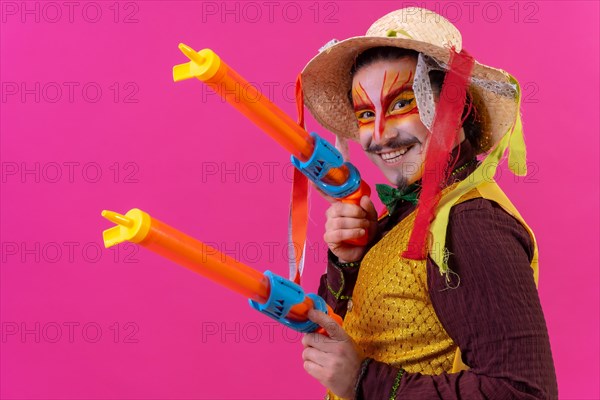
{"x":517,"y":157}
{"x":513,"y":140}
{"x":394,"y":33}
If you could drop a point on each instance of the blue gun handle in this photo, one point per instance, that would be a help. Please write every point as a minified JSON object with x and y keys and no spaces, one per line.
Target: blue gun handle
{"x":283,"y":296}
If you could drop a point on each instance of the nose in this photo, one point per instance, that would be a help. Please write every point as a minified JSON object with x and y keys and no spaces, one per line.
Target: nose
{"x":378,"y":132}
{"x":382,"y":131}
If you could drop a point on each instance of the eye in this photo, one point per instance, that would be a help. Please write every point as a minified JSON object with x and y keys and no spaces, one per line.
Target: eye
{"x":402,"y":103}
{"x":365,"y":114}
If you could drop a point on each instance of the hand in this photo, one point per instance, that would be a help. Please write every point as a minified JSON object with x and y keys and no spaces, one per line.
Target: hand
{"x":334,"y":361}
{"x":349,"y":221}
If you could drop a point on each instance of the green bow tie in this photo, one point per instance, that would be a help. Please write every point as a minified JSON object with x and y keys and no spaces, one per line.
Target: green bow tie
{"x":391,"y":197}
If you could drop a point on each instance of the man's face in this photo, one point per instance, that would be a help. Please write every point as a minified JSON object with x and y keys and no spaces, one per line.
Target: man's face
{"x":391,"y":131}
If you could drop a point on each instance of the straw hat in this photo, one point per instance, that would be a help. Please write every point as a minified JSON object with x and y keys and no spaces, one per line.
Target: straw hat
{"x":326,"y":78}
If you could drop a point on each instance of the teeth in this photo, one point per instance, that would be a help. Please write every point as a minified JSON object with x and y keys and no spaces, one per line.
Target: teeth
{"x":394,"y":155}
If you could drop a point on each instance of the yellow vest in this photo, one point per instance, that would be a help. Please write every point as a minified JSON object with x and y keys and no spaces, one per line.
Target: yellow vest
{"x":391,"y":317}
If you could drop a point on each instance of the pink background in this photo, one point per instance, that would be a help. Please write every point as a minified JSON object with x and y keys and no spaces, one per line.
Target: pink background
{"x":80,"y":321}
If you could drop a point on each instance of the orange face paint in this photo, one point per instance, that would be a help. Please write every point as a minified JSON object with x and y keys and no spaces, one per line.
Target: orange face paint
{"x":396,"y":101}
{"x":388,"y":97}
{"x":362,"y":104}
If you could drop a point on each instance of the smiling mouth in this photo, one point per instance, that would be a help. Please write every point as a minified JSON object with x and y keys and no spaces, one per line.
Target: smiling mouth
{"x":394,"y":156}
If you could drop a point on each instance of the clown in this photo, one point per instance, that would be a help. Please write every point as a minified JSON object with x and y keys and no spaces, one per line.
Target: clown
{"x":442,"y":301}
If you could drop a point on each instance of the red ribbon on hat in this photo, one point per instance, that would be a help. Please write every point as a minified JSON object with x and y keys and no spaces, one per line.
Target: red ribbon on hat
{"x":444,"y":135}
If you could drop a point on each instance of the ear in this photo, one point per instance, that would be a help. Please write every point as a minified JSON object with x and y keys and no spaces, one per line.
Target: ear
{"x":461,"y":136}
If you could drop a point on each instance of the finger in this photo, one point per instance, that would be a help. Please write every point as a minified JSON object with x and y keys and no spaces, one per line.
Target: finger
{"x":309,"y":339}
{"x":331,"y":200}
{"x":314,"y":370}
{"x":335,"y":331}
{"x":314,"y":355}
{"x":346,"y":223}
{"x":318,"y":341}
{"x":369,"y":207}
{"x":340,"y":209}
{"x":342,"y":235}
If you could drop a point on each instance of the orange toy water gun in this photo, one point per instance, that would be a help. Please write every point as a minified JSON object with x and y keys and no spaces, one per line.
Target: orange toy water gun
{"x":316,"y":158}
{"x":274,"y":296}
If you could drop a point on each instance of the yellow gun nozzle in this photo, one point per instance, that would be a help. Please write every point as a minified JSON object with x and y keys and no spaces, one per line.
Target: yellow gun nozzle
{"x":191,"y":54}
{"x":117,"y":218}
{"x":133,"y":227}
{"x":204,"y":65}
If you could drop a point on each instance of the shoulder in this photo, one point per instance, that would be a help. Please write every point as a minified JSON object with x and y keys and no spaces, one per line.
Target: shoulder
{"x":478,"y":205}
{"x":487,"y":248}
{"x":482,"y":222}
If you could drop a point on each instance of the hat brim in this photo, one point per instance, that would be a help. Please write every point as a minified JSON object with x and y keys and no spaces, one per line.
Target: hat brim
{"x":326,"y":82}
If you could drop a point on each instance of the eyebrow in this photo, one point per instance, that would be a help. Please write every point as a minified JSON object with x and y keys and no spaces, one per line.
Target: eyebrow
{"x":393,"y":93}
{"x":362,"y":103}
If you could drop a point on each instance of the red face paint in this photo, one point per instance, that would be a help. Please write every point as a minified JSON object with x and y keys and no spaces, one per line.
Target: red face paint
{"x":364,"y":103}
{"x":391,"y":94}
{"x":387,"y":96}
